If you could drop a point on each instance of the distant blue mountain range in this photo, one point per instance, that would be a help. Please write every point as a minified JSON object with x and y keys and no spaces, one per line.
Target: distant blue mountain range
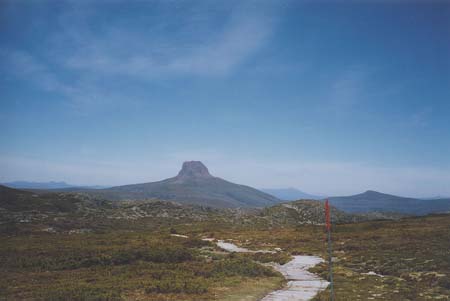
{"x":370,"y":201}
{"x":192,"y":185}
{"x":46,"y":185}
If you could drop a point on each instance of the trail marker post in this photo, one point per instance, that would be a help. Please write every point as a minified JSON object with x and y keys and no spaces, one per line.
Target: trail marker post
{"x":330,"y":251}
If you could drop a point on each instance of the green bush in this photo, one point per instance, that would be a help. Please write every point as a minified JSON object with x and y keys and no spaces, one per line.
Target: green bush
{"x":81,"y":294}
{"x":45,"y":262}
{"x":195,"y":243}
{"x":280,"y":258}
{"x":177,"y":286}
{"x":241,"y":267}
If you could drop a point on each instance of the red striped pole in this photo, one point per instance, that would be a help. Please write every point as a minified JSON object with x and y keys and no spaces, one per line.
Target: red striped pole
{"x":330,"y":261}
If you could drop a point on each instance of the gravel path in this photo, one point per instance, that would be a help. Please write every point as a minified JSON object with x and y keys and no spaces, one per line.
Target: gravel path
{"x":302,"y":285}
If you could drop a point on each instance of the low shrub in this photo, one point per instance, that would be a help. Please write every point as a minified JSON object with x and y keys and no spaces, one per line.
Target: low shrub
{"x":178,"y":286}
{"x":280,"y":258}
{"x":115,"y":257}
{"x":81,"y":293}
{"x":241,"y":267}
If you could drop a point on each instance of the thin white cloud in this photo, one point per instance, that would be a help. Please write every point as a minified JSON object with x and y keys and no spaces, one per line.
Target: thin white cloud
{"x":420,"y":118}
{"x":347,"y":90}
{"x":27,"y":67}
{"x":243,"y":36}
{"x":81,"y":95}
{"x":141,"y":54}
{"x":85,"y":56}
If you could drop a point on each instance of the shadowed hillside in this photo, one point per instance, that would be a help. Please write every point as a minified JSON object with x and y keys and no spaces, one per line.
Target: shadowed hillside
{"x":15,"y":200}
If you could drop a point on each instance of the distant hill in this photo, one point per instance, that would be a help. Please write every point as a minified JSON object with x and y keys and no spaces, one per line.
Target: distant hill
{"x":46,"y":185}
{"x":37,"y":185}
{"x":193,"y":185}
{"x":381,"y":202}
{"x":15,"y":200}
{"x":312,"y":212}
{"x":64,"y":212}
{"x":304,"y":212}
{"x":68,"y":211}
{"x":291,"y":194}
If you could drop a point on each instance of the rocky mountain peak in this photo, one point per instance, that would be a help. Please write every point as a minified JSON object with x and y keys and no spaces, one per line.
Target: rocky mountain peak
{"x":194,"y":169}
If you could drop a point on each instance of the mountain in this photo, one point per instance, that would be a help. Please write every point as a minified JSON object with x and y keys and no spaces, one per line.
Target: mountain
{"x":291,"y":194}
{"x":15,"y":200}
{"x":193,"y":185}
{"x":46,"y":185}
{"x":69,"y":212}
{"x":376,"y":201}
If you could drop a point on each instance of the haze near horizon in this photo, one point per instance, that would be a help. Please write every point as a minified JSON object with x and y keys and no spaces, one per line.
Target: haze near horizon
{"x":331,"y":98}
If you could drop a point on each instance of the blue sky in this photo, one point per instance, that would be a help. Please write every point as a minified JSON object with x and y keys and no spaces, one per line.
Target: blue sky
{"x":330,"y":97}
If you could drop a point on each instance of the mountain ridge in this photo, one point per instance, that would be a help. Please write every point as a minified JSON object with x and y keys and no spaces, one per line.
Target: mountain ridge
{"x":51,"y":185}
{"x":64,"y":211}
{"x":193,"y":185}
{"x":374,"y":201}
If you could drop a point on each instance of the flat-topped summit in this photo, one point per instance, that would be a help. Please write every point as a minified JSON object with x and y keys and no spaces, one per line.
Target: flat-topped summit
{"x":193,"y":185}
{"x":194,"y":169}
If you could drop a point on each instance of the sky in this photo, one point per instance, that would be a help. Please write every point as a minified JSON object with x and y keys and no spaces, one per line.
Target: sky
{"x":330,"y":97}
